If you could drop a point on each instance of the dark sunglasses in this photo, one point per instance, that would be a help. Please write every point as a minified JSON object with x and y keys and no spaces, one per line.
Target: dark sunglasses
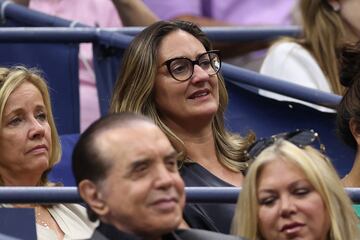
{"x":300,"y":138}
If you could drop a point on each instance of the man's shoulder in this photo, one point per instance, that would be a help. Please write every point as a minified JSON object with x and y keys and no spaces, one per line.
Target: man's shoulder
{"x":197,"y":234}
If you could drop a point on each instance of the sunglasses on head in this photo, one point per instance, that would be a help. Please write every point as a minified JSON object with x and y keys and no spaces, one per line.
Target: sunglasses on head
{"x":300,"y":138}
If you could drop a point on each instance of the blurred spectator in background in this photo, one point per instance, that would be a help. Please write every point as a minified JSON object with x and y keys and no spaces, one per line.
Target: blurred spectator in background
{"x":95,"y":13}
{"x":348,"y":117}
{"x":313,"y":60}
{"x":229,"y":13}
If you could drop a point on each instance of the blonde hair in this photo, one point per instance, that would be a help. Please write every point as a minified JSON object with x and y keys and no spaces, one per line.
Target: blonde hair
{"x":134,"y":91}
{"x":12,"y":78}
{"x":322,"y":176}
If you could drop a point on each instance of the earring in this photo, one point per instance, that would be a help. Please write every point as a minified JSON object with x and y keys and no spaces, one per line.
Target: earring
{"x":335,"y":6}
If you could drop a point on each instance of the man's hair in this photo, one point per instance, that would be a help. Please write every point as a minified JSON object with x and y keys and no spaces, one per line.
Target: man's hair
{"x":87,"y":159}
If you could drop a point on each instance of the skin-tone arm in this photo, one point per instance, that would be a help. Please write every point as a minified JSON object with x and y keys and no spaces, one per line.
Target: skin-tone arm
{"x":22,"y":2}
{"x":202,"y":21}
{"x":131,"y":12}
{"x":134,"y":13}
{"x":228,"y":50}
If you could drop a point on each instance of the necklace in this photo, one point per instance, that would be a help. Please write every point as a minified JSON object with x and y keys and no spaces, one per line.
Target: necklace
{"x":39,"y":218}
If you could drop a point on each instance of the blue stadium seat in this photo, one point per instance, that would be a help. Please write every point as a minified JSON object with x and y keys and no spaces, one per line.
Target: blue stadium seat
{"x":59,"y":63}
{"x":250,"y":111}
{"x":62,"y":172}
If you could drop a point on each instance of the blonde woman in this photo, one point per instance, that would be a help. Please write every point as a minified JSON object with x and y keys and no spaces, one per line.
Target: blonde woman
{"x":294,"y":193}
{"x":313,"y":60}
{"x":30,"y":147}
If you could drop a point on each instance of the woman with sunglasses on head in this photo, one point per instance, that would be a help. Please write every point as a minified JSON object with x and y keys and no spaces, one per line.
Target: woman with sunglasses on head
{"x":294,"y":193}
{"x":171,"y":74}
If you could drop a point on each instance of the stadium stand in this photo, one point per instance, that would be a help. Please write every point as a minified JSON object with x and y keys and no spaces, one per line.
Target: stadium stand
{"x":247,"y":110}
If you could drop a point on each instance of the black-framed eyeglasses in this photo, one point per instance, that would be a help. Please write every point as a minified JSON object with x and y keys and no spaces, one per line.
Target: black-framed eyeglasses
{"x":182,"y":68}
{"x":300,"y":138}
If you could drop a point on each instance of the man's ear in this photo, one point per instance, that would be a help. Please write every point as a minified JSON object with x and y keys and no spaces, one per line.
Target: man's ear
{"x":355,"y":130}
{"x":335,"y":5}
{"x":89,"y":192}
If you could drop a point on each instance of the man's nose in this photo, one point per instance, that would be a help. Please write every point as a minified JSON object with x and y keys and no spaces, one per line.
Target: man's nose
{"x":164,"y":178}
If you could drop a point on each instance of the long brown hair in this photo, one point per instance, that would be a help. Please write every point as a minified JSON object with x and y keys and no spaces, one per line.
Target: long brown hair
{"x":134,"y":91}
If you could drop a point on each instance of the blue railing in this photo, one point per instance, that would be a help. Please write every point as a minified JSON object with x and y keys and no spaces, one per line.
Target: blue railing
{"x":70,"y":194}
{"x":231,"y":73}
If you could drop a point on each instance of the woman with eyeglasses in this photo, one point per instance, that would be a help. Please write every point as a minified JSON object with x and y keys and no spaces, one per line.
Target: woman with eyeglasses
{"x":171,"y":74}
{"x":294,"y":193}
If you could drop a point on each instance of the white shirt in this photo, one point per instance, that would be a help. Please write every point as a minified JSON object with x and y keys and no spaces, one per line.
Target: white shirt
{"x":291,"y":62}
{"x":72,"y":220}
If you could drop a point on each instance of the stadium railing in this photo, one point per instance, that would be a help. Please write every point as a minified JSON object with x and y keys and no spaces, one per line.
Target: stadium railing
{"x":71,"y":195}
{"x":246,"y":111}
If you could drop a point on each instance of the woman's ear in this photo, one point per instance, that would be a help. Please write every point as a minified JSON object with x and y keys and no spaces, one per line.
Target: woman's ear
{"x":92,"y":196}
{"x":335,"y":5}
{"x":354,"y":126}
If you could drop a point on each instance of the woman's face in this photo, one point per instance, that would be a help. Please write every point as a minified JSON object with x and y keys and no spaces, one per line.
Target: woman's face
{"x":25,"y":136}
{"x":191,"y":100}
{"x":289,"y":206}
{"x":349,"y":11}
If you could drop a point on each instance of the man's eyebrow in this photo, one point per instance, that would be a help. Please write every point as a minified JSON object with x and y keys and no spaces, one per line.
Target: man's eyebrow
{"x":135,"y":164}
{"x":173,"y":154}
{"x":138,"y":162}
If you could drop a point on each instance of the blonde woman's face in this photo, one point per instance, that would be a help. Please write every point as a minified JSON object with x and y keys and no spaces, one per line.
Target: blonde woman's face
{"x":188,"y":101}
{"x":289,"y":206}
{"x":25,"y":137}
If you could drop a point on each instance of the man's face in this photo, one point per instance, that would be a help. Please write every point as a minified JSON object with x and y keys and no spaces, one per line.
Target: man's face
{"x":143,"y":191}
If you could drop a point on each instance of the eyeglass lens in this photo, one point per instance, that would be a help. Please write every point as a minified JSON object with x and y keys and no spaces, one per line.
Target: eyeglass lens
{"x":182,"y":68}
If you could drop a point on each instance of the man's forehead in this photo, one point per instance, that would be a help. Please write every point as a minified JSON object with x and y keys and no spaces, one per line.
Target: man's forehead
{"x":134,"y":140}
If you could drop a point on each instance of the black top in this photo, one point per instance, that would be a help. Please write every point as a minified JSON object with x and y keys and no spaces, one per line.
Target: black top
{"x":108,"y":232}
{"x":209,"y":216}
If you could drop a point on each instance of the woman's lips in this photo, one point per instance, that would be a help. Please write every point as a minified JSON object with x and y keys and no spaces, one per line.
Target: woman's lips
{"x":199,"y":94}
{"x":38,"y":149}
{"x":291,"y":228}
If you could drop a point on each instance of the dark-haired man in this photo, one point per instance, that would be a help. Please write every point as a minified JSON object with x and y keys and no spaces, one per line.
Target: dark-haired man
{"x":126,"y":171}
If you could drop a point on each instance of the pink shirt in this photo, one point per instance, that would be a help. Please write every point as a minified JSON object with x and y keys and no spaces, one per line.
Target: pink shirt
{"x":240,"y":12}
{"x":90,"y":12}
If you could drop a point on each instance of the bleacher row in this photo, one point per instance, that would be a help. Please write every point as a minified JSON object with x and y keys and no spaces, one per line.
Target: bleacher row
{"x":52,"y":45}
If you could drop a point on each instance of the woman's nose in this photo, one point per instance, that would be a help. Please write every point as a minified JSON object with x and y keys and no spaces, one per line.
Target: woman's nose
{"x":287,"y":207}
{"x":36,"y":130}
{"x":199,"y":74}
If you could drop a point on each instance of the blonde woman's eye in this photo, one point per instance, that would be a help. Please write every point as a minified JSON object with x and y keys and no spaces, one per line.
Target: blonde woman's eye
{"x":41,"y":116}
{"x":15,"y":121}
{"x":301,"y":191}
{"x":268,"y":201}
